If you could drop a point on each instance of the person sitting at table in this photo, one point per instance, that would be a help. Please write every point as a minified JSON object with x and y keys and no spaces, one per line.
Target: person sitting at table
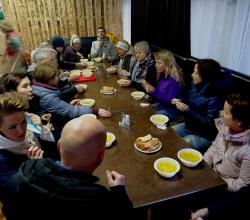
{"x":16,"y":143}
{"x":67,"y":189}
{"x":126,"y":58}
{"x":201,"y":107}
{"x":103,"y":48}
{"x":144,"y":69}
{"x":67,"y":90}
{"x":71,"y":53}
{"x":58,"y":45}
{"x":170,"y":84}
{"x":229,"y":155}
{"x":45,"y":44}
{"x":20,"y":83}
{"x":45,"y":87}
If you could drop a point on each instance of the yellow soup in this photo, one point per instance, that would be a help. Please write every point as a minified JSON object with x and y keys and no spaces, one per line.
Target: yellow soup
{"x":189,"y":156}
{"x":86,"y":102}
{"x":137,"y":94}
{"x":166,"y":166}
{"x":159,"y":119}
{"x":109,"y":138}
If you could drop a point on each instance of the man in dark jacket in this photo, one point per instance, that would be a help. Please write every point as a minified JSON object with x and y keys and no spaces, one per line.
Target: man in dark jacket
{"x":66,"y":189}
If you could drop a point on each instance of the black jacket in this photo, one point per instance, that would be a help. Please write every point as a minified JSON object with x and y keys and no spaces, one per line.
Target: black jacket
{"x":43,"y":189}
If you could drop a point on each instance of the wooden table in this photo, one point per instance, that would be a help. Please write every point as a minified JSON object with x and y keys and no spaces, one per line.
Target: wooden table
{"x":144,"y":186}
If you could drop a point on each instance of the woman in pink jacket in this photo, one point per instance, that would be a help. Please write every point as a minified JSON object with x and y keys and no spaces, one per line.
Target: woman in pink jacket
{"x":229,"y":155}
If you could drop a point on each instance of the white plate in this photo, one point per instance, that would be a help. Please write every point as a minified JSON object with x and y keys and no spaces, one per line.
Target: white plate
{"x":108,"y":93}
{"x":148,"y":152}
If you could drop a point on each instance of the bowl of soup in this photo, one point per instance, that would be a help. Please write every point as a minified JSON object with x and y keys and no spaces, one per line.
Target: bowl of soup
{"x":159,"y":120}
{"x":190,"y":157}
{"x":137,"y":95}
{"x":110,"y":138}
{"x":166,"y":167}
{"x":87,"y":102}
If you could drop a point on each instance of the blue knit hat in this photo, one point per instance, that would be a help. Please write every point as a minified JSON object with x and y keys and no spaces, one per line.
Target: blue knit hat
{"x":57,"y":41}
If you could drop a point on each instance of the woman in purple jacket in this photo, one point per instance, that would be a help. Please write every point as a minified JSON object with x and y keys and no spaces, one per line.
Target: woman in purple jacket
{"x":169,"y":85}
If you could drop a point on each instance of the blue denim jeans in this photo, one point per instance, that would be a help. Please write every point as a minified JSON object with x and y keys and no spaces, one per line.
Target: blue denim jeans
{"x":194,"y":141}
{"x":172,"y":115}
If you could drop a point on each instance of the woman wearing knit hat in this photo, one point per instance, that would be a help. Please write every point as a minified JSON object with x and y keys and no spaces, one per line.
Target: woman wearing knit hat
{"x":126,"y":59}
{"x":71,"y":53}
{"x":58,"y":45}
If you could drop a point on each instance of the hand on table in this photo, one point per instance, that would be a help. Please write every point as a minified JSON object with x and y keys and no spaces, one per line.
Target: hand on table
{"x":114,"y":178}
{"x":104,"y":113}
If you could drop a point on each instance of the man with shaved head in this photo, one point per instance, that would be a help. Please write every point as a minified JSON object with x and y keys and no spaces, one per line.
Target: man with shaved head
{"x":66,"y":189}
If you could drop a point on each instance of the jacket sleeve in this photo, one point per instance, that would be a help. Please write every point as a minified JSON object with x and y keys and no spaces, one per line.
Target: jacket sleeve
{"x":151,"y":74}
{"x":68,"y":92}
{"x":122,"y":204}
{"x":113,"y":56}
{"x":165,"y":97}
{"x":210,"y":153}
{"x":214,"y":105}
{"x":95,"y":49}
{"x":244,"y":177}
{"x":53,"y":104}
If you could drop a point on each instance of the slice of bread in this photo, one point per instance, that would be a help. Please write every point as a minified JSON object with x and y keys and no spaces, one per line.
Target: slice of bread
{"x":108,"y":89}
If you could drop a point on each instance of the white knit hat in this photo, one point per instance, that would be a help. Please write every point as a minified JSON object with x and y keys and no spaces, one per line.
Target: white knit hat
{"x":122,"y":45}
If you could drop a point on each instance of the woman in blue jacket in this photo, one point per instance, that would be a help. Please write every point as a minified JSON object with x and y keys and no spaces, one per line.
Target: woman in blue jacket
{"x":202,"y":106}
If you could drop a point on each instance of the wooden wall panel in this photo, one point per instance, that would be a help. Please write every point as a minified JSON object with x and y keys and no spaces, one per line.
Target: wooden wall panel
{"x":40,"y":20}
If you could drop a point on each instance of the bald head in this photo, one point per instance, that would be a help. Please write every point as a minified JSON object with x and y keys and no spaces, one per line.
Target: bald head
{"x":82,"y":144}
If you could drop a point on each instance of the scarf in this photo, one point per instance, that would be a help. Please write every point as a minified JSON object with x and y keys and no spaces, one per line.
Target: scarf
{"x":13,"y":146}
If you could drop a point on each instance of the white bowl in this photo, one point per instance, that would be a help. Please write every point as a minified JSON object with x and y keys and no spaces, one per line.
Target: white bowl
{"x":97,"y":59}
{"x":84,"y":60}
{"x":111,"y":69}
{"x":166,"y":167}
{"x":190,"y":157}
{"x":123,"y":82}
{"x":87,"y":72}
{"x":88,"y":116}
{"x":90,"y":63}
{"x":137,"y":95}
{"x":87,"y":102}
{"x":75,"y":72}
{"x":110,"y":139}
{"x":159,"y":120}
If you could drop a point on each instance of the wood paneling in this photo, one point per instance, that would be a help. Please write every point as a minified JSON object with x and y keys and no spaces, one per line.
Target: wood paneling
{"x":40,"y":20}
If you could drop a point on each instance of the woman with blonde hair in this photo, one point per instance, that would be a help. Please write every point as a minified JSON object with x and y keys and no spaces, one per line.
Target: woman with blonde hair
{"x":170,"y":84}
{"x":16,"y":143}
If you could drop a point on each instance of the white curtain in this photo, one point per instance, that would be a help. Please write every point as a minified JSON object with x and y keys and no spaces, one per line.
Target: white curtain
{"x":126,"y":14}
{"x":220,"y":29}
